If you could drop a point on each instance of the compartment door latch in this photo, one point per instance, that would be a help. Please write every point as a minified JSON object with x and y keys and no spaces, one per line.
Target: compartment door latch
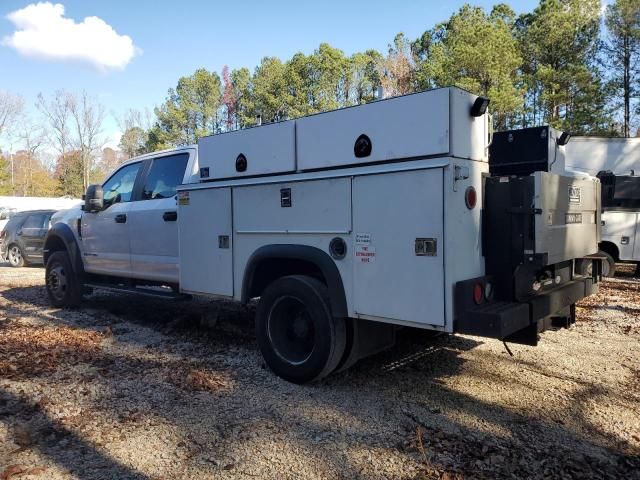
{"x":426,"y":247}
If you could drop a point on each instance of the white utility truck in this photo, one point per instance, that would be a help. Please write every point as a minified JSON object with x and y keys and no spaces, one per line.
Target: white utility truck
{"x":347,"y":225}
{"x":620,"y":239}
{"x":617,"y":162}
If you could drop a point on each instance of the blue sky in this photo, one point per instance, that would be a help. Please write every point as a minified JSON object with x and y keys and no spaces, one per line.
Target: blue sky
{"x":174,"y":38}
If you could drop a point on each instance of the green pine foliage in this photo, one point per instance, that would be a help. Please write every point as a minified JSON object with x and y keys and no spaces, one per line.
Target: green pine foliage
{"x":478,"y":52}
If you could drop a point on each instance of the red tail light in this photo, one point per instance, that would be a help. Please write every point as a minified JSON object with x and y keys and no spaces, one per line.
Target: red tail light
{"x":470,"y":197}
{"x":478,"y":293}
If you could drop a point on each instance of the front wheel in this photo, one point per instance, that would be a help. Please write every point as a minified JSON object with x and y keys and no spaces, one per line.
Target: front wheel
{"x":63,"y":287}
{"x":15,"y":257}
{"x":300,"y":340}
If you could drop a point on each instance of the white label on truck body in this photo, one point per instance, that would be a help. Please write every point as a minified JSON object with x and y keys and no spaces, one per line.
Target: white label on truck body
{"x":363,"y":238}
{"x":575,"y":195}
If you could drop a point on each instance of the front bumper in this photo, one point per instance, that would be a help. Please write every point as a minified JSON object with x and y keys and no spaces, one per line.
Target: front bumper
{"x":519,"y":322}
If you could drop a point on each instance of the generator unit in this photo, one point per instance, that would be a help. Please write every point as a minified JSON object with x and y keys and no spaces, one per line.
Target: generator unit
{"x":540,"y":231}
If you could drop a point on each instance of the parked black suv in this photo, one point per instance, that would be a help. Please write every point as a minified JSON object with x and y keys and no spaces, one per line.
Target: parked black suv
{"x":22,"y":239}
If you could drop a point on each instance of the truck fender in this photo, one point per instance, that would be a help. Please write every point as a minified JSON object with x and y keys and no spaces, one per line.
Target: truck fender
{"x":320,"y":259}
{"x":60,"y":236}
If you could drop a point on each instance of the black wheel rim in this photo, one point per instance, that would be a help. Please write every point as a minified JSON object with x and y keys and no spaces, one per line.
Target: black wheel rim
{"x":15,"y":256}
{"x":57,"y":282}
{"x":291,"y":331}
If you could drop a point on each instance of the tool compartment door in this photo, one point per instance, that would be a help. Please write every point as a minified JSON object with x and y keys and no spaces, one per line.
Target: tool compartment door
{"x":206,"y":241}
{"x":398,"y":246}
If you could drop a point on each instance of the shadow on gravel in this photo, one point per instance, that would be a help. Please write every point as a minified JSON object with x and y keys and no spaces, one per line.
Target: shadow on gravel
{"x":51,"y":439}
{"x":401,"y":391}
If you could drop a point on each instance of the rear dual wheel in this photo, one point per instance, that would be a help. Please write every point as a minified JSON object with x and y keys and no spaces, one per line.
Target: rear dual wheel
{"x":300,"y":340}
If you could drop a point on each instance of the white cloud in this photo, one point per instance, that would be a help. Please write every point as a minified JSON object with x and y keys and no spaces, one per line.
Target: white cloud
{"x":42,"y":31}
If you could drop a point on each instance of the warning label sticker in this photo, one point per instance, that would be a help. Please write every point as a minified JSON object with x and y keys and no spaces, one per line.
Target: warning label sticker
{"x":183,"y":198}
{"x":365,"y":253}
{"x":363,"y":238}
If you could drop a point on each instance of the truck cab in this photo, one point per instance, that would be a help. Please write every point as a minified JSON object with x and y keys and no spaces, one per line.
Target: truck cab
{"x":620,"y":218}
{"x":134,"y":233}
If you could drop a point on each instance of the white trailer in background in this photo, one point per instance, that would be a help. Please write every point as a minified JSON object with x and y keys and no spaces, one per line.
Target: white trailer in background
{"x":591,"y":155}
{"x":621,"y":192}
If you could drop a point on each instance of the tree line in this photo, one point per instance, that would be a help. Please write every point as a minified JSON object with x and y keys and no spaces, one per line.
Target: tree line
{"x":567,"y":64}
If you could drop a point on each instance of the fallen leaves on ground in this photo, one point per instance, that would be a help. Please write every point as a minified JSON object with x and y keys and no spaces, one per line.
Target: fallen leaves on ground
{"x":27,"y":350}
{"x":18,"y":470}
{"x":200,"y":379}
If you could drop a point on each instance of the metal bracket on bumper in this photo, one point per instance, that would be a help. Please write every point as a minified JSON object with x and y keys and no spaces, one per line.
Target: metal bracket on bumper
{"x":518,"y":322}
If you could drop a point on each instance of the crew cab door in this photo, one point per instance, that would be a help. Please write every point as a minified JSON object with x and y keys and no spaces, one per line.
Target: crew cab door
{"x":105,"y":234}
{"x":154,"y":219}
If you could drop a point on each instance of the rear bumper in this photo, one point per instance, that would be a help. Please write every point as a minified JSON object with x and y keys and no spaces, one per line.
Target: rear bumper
{"x":519,"y":322}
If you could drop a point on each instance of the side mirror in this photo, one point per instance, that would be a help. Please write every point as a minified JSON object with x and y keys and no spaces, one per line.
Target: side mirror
{"x":94,"y":199}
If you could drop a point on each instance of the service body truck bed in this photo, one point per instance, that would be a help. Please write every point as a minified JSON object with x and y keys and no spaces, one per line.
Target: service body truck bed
{"x":404,"y":216}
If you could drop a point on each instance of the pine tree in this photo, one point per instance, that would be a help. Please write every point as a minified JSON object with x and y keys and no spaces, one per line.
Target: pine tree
{"x":560,"y":43}
{"x":477,"y":52}
{"x":622,"y":51}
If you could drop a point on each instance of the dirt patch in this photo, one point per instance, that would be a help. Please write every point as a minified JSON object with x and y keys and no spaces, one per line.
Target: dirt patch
{"x":129,"y":387}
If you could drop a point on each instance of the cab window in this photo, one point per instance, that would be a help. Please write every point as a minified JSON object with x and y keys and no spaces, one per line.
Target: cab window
{"x":165,"y":174}
{"x":36,"y":220}
{"x":119,"y":187}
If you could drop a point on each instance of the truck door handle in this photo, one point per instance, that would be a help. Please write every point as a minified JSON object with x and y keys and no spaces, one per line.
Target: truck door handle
{"x":121,"y":218}
{"x":170,"y":216}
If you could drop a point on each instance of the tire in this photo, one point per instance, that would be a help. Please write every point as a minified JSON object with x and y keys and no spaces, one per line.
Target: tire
{"x":608,"y":266}
{"x":15,"y":256}
{"x":298,"y":336}
{"x":62,"y":284}
{"x":584,"y":266}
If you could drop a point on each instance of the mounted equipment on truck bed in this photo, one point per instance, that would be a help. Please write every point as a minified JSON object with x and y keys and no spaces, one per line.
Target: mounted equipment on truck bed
{"x":538,"y":230}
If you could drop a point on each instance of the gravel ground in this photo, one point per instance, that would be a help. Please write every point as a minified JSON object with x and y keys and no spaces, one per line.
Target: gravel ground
{"x":131,"y":387}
